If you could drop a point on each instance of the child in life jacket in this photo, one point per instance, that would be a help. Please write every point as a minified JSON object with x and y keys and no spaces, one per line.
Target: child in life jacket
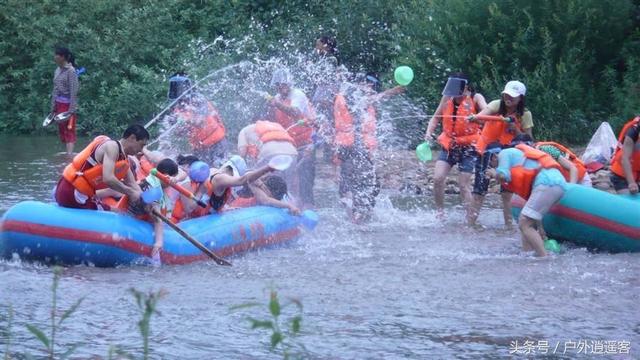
{"x":157,"y":200}
{"x":535,"y":176}
{"x":269,"y":191}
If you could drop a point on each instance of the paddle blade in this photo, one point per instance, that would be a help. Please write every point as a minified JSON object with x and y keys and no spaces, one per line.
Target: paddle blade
{"x":280,"y":162}
{"x":309,"y":219}
{"x":423,"y":152}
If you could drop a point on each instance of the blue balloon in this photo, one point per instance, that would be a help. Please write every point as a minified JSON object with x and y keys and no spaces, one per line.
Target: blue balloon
{"x":152,"y":194}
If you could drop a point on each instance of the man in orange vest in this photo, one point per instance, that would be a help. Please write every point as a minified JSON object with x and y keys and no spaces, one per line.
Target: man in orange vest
{"x":356,"y":142}
{"x":102,"y":164}
{"x":291,"y":109}
{"x":625,"y":165}
{"x":518,"y":169}
{"x":260,"y":142}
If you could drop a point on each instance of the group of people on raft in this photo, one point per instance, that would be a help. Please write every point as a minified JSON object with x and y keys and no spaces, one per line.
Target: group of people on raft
{"x":495,"y":140}
{"x":488,"y":140}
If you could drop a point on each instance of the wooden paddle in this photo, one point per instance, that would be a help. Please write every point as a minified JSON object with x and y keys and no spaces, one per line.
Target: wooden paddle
{"x":165,"y":179}
{"x":196,"y":243}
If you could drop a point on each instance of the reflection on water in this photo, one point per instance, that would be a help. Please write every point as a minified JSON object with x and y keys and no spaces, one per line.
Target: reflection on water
{"x":403,"y":286}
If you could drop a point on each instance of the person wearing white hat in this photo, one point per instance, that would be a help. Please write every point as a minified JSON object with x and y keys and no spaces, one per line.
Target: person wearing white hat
{"x":516,"y":120}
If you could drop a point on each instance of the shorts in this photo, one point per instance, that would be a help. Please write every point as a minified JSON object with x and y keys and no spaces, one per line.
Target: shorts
{"x":619,"y":183}
{"x":480,"y":181}
{"x":464,"y":157}
{"x":66,"y":135}
{"x":542,"y":198}
{"x":67,"y":196}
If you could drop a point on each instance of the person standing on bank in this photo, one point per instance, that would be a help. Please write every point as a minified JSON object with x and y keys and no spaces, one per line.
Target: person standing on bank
{"x":64,"y":97}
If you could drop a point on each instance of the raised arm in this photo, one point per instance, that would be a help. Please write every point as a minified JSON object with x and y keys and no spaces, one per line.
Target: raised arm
{"x":435,"y":119}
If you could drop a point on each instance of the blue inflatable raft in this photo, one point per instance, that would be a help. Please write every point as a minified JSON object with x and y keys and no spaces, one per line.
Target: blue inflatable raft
{"x":593,"y":218}
{"x":47,"y":233}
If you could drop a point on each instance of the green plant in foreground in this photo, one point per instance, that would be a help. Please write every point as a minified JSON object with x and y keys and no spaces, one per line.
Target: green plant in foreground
{"x":50,"y":341}
{"x":5,"y":332}
{"x":283,"y":333}
{"x":147,"y":303}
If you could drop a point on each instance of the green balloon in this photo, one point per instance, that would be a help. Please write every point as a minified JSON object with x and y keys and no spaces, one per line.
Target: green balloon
{"x":423,"y":152}
{"x":552,"y":245}
{"x":403,"y":75}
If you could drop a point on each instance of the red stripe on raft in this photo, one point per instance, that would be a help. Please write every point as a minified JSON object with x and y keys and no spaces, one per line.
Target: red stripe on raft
{"x":588,"y":219}
{"x":135,"y":247}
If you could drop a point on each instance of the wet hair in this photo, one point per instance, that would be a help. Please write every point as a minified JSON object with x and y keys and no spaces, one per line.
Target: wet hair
{"x":186,"y":159}
{"x":66,"y":54}
{"x":276,"y":185}
{"x":520,"y":109}
{"x":331,"y":44}
{"x":168,"y":167}
{"x":138,"y":131}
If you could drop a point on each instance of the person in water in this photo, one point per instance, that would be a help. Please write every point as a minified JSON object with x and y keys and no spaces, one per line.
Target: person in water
{"x":625,"y":165}
{"x":64,"y":97}
{"x":102,"y":164}
{"x":326,"y":88}
{"x":204,"y":126}
{"x":260,"y":142}
{"x":291,"y":109}
{"x":270,"y":190}
{"x":458,"y":138}
{"x":356,"y":142}
{"x":535,"y":176}
{"x":516,"y":119}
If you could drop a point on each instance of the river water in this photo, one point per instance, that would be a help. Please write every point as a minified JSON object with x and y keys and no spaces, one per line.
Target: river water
{"x":404,"y":286}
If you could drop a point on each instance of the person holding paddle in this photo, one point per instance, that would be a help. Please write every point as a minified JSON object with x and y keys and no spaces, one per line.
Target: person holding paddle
{"x":516,"y":119}
{"x":458,"y":137}
{"x":102,"y":164}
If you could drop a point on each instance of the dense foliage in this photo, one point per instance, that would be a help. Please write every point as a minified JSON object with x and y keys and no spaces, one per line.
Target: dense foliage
{"x":579,"y":58}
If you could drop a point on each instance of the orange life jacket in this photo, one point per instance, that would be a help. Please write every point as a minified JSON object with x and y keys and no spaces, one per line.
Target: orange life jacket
{"x":179,"y":214}
{"x":346,"y":129}
{"x":522,"y":179}
{"x":616,"y":162}
{"x":497,"y":131}
{"x":457,"y":129}
{"x":206,"y":129}
{"x":271,"y":131}
{"x":145,"y":168}
{"x":301,"y":134}
{"x":85,"y":172}
{"x":582,"y":170}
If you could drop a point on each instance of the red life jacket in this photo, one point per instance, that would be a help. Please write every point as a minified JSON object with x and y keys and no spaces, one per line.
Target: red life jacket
{"x":582,"y":170}
{"x":456,"y":129}
{"x":85,"y":172}
{"x":616,"y":162}
{"x":205,"y":129}
{"x":522,"y":178}
{"x":179,"y":213}
{"x":301,"y":134}
{"x":346,"y":128}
